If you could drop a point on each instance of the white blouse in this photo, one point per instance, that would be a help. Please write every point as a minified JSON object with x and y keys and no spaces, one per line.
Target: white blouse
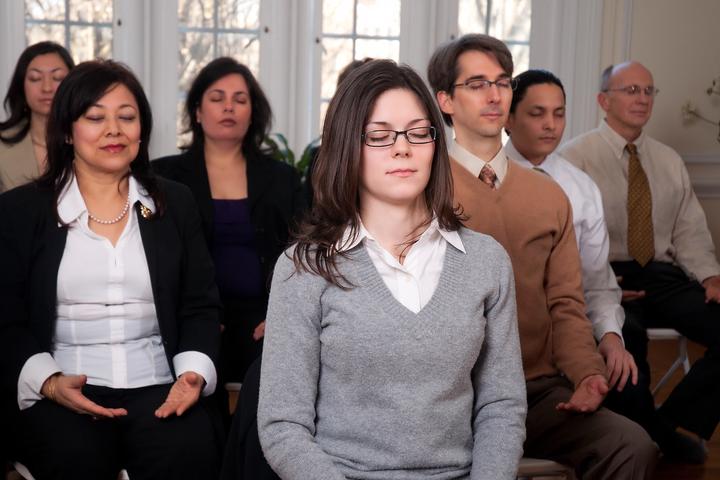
{"x":106,"y":327}
{"x":413,"y":282}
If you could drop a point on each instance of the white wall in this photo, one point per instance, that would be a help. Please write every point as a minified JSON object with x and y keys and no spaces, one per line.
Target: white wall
{"x":678,"y":42}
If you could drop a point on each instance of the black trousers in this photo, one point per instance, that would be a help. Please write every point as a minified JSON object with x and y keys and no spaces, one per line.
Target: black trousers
{"x":674,"y":301}
{"x":238,"y":349}
{"x":56,"y":443}
{"x":636,"y":401}
{"x":244,"y":459}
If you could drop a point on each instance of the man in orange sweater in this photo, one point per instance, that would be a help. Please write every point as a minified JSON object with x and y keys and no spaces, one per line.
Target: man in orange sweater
{"x":528,"y":213}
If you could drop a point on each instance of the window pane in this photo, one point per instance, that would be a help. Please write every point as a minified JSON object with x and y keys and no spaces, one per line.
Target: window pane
{"x":45,"y":9}
{"x":239,"y":14}
{"x":97,"y":11}
{"x":323,"y":111}
{"x":510,"y":20}
{"x":378,"y":17}
{"x":183,"y":138}
{"x":472,"y":16}
{"x":338,"y":16}
{"x":521,"y":57}
{"x":243,"y":48}
{"x":195,"y":13}
{"x":39,"y":33}
{"x":196,"y":50}
{"x":89,"y":43}
{"x":337,"y":52}
{"x":377,"y":49}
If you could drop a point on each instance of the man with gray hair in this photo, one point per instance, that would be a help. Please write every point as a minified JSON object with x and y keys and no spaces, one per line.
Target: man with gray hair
{"x":660,"y":245}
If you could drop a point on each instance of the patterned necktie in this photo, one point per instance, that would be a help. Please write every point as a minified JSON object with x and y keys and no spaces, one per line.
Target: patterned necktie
{"x":641,"y":244}
{"x":487,"y":175}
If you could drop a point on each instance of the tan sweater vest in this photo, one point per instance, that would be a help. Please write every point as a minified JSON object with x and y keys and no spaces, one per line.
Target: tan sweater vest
{"x":531,"y":217}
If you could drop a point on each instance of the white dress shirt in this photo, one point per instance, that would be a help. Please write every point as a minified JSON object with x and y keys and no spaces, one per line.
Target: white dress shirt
{"x":412,"y":282}
{"x":602,"y":293}
{"x":680,"y":228}
{"x":106,"y":326}
{"x":474,"y":164}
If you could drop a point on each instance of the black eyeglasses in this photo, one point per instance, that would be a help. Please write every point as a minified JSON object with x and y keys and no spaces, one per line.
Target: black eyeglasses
{"x":483,"y":84}
{"x":385,"y":138}
{"x":650,"y":91}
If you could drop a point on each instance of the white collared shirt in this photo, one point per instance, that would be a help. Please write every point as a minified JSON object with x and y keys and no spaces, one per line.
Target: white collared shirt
{"x":106,"y":326}
{"x":414,"y":281}
{"x":474,"y":164}
{"x":680,"y":228}
{"x":602,"y":293}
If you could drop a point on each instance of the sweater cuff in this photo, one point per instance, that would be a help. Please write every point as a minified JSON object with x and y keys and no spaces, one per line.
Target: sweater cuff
{"x":198,"y":362}
{"x":609,"y":325}
{"x":594,"y":366}
{"x":36,"y":370}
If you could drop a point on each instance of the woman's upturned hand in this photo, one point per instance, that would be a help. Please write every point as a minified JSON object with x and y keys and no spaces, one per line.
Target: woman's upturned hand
{"x":66,"y":390}
{"x":184,"y":393}
{"x":259,"y":331}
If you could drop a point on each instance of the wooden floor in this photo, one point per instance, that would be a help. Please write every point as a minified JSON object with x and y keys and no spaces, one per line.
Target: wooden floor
{"x":662,"y":353}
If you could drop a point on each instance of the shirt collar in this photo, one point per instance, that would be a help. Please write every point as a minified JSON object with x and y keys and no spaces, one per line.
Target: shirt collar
{"x":474,"y":164}
{"x":71,"y":205}
{"x":548,"y":165}
{"x":616,"y":141}
{"x":347,"y":242}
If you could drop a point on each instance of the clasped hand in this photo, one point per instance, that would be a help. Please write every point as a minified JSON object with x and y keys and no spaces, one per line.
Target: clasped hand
{"x":620,"y":363}
{"x":66,"y":390}
{"x":712,"y":289}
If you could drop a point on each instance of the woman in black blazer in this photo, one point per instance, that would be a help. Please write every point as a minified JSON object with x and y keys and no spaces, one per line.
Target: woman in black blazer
{"x":248,"y":201}
{"x":110,"y":313}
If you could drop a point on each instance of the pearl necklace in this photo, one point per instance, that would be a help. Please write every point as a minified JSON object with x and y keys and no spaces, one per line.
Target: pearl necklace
{"x":124,"y":212}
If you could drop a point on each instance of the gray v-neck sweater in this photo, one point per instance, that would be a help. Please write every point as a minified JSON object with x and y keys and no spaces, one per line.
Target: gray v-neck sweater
{"x":354,"y":385}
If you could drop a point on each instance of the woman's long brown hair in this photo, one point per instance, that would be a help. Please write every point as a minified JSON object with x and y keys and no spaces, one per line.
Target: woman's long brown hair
{"x":336,"y":178}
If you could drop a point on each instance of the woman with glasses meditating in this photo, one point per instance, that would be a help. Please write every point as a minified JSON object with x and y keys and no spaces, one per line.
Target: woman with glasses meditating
{"x":391,"y":346}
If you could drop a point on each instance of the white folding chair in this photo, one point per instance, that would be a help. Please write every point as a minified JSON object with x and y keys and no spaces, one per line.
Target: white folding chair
{"x":26,"y":475}
{"x":23,"y":471}
{"x":233,"y":387}
{"x":682,"y":359}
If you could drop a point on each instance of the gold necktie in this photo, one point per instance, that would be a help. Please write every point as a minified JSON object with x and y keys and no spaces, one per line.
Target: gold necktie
{"x":641,"y":244}
{"x":487,"y":175}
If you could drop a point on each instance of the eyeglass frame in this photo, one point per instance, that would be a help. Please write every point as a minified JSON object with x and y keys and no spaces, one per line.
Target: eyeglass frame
{"x":487,"y":83}
{"x":633,"y":90}
{"x":397,"y":133}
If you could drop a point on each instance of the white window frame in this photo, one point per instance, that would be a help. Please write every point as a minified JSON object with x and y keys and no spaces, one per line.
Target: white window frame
{"x":66,"y":23}
{"x":565,"y":38}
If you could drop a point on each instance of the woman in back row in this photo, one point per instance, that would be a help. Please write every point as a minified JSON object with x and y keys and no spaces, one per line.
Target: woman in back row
{"x":248,"y":201}
{"x":39,"y":71}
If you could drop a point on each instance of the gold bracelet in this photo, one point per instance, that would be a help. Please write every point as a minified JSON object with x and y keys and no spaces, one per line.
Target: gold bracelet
{"x":51,"y":387}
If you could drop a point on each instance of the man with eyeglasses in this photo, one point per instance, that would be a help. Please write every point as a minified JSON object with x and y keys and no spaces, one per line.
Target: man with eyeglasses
{"x":528,"y":213}
{"x":660,"y":245}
